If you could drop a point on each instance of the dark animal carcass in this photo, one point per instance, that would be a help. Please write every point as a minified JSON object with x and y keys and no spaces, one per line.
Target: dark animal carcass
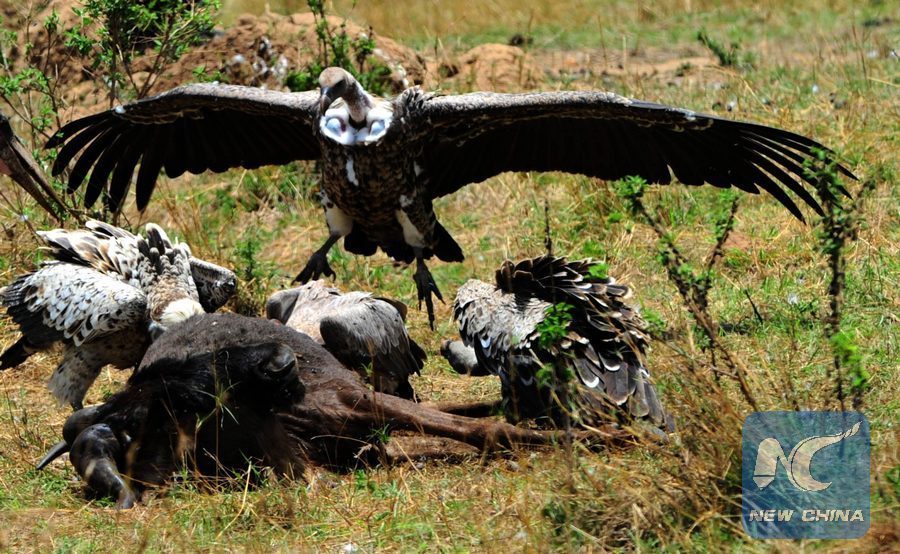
{"x":222,"y":389}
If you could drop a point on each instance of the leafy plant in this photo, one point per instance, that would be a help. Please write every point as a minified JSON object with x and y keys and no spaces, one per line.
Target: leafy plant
{"x":33,"y":95}
{"x":838,"y":227}
{"x":337,"y":48}
{"x":693,"y":284}
{"x":114,"y":33}
{"x":728,"y":57}
{"x":253,"y":274}
{"x":555,"y":325}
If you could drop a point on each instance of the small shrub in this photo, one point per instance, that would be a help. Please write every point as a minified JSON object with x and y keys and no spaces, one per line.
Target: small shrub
{"x":728,"y":57}
{"x":337,"y":48}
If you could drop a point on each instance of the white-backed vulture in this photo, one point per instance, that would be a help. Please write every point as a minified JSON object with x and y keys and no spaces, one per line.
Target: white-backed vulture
{"x":366,"y":334}
{"x":547,"y":324}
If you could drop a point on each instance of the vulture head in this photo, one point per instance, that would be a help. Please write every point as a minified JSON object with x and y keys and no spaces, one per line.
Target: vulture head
{"x":348,"y":114}
{"x":215,"y":284}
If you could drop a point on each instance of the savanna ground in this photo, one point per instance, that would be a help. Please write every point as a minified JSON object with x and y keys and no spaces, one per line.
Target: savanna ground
{"x":829,"y":70}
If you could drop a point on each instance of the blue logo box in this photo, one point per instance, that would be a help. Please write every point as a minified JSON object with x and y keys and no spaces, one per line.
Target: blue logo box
{"x":805,"y":475}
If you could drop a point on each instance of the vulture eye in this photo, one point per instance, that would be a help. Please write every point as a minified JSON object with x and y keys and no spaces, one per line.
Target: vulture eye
{"x":281,"y":363}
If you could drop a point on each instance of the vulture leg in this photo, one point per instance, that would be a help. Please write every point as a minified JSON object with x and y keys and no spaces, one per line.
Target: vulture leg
{"x":425,"y":286}
{"x":318,"y":262}
{"x":94,"y":454}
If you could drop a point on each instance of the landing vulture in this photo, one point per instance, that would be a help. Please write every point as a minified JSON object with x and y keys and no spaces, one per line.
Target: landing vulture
{"x":19,"y":165}
{"x":364,"y":333}
{"x":385,"y":161}
{"x":596,"y":341}
{"x":104,"y":296}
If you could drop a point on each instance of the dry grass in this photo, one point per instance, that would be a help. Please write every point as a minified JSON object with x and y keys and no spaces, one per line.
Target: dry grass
{"x":681,"y":496}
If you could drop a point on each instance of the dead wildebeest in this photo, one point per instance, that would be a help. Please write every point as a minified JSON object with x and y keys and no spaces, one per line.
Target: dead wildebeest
{"x":223,"y":390}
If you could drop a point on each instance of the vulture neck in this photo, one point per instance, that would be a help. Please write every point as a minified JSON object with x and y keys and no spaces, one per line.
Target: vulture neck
{"x":359,"y":102}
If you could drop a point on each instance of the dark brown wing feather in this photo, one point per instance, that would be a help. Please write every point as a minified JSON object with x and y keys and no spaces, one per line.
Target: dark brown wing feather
{"x":604,"y":343}
{"x":474,"y":136}
{"x":195,"y":128}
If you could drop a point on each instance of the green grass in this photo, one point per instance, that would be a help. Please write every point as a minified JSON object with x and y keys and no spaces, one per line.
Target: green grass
{"x":675,"y":497}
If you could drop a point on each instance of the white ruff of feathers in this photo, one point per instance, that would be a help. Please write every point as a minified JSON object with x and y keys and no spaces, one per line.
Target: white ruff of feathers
{"x":179,"y":311}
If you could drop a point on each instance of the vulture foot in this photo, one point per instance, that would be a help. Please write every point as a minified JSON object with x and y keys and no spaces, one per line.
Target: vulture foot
{"x":426,"y":286}
{"x":316,"y":266}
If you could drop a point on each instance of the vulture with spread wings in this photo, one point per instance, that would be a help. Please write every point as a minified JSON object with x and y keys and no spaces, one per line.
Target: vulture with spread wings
{"x":385,"y":161}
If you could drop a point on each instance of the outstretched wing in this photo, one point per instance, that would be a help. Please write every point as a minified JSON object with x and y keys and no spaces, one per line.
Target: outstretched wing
{"x":17,"y":162}
{"x":192,"y":128}
{"x":471,"y":137}
{"x":62,"y":301}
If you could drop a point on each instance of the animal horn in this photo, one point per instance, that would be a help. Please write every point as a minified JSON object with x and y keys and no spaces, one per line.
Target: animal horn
{"x":55,"y":452}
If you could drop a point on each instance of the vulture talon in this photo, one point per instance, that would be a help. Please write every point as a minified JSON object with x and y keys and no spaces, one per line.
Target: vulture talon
{"x":315,"y":268}
{"x":426,"y":287}
{"x":318,"y":263}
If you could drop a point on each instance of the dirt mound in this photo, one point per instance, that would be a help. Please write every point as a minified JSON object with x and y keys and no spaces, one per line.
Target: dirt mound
{"x":260,"y":51}
{"x":496,"y":67}
{"x":264,"y":50}
{"x":256,"y":50}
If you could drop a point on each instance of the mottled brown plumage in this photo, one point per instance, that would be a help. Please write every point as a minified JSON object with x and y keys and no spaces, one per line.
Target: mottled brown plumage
{"x":385,"y":161}
{"x":104,"y":296}
{"x":598,"y":339}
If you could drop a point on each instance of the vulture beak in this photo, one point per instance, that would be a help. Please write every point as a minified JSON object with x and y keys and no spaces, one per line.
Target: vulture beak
{"x":328,"y":96}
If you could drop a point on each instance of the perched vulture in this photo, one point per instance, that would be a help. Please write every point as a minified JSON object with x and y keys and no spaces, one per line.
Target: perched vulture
{"x":549,"y":323}
{"x":385,"y":161}
{"x":364,"y":333}
{"x":105,"y":296}
{"x":18,"y":163}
